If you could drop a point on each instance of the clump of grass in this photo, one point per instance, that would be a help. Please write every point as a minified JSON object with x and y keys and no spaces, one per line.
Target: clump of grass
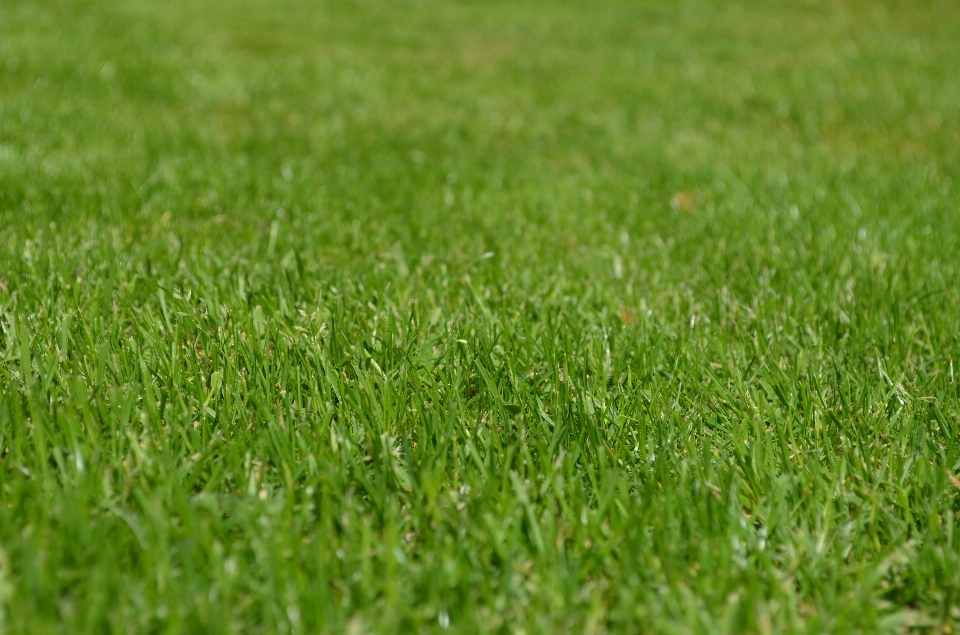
{"x":381,"y":317}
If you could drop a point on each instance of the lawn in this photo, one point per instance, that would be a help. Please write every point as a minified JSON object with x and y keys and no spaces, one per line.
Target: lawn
{"x":392,"y":316}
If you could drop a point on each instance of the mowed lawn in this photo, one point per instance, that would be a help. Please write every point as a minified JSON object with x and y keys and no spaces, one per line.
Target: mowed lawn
{"x":397,"y":316}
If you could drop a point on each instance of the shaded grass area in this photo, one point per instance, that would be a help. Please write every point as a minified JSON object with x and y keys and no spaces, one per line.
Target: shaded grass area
{"x":479,"y":317}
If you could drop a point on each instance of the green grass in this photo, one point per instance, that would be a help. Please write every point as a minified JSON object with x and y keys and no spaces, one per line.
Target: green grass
{"x":376,"y":316}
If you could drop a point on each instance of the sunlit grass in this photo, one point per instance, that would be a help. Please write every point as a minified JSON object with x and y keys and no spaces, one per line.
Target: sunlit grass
{"x":481,"y":317}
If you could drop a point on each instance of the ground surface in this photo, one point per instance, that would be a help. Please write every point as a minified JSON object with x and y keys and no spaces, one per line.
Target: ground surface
{"x":548,"y":316}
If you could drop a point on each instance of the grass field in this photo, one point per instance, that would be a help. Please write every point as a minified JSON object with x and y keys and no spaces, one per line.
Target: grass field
{"x":512,"y":317}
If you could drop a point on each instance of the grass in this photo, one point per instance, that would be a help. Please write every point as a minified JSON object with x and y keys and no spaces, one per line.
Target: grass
{"x":423,"y":316}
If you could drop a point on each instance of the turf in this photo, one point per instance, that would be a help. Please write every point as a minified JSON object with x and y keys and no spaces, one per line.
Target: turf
{"x":510,"y":317}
